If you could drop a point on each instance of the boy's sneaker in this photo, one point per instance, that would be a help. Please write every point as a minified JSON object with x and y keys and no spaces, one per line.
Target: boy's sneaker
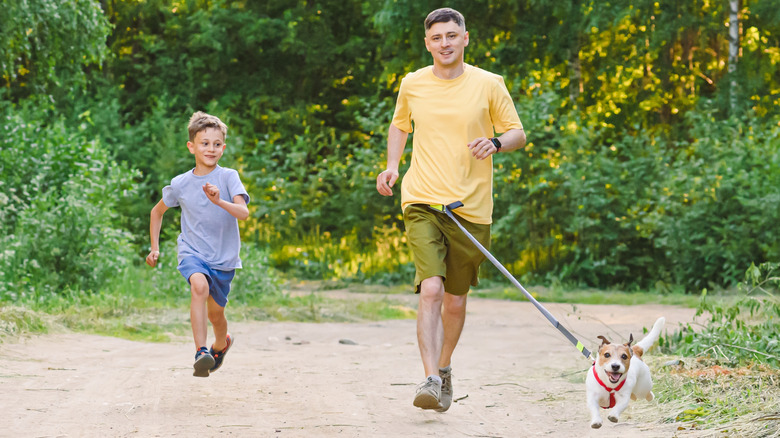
{"x":220,"y":355}
{"x":428,"y":393}
{"x":203,"y":362}
{"x":446,"y":388}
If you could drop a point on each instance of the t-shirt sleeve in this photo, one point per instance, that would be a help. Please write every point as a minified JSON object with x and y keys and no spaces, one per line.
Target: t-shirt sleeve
{"x":402,"y":118}
{"x":236,"y":187}
{"x":170,"y":196}
{"x":502,"y":109}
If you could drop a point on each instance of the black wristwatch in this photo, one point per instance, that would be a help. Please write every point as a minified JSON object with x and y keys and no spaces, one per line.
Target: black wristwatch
{"x":496,"y":143}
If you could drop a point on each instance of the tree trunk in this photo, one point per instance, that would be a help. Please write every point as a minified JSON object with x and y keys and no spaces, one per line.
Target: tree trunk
{"x":575,"y":73}
{"x":733,"y":50}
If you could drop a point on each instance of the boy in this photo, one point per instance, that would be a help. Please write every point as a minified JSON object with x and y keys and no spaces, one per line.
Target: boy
{"x":212,"y":198}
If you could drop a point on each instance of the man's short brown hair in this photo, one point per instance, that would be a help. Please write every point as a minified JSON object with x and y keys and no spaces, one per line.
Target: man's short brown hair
{"x":200,"y":121}
{"x":444,"y":15}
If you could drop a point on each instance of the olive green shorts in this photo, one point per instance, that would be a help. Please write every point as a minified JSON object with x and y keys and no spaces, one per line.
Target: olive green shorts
{"x":441,"y":249}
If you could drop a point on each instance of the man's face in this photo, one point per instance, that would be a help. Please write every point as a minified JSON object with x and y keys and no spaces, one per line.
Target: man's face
{"x":446,"y":42}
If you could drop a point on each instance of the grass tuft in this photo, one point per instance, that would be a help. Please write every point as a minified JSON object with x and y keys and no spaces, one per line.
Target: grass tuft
{"x":712,"y":400}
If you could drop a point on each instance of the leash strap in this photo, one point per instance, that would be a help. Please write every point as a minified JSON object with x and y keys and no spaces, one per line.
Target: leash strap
{"x":447,"y":209}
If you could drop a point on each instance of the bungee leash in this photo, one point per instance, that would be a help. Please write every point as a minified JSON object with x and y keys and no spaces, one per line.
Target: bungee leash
{"x":447,"y":209}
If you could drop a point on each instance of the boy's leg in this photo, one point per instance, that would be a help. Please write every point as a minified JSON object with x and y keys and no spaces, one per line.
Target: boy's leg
{"x":199,"y":288}
{"x":218,"y":323}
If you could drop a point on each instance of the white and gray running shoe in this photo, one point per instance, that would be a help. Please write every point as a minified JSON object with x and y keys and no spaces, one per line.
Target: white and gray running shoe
{"x":446,"y":388}
{"x":428,"y":393}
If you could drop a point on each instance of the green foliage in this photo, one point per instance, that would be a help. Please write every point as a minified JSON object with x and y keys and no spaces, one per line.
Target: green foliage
{"x":740,"y":332}
{"x":641,"y":172}
{"x":58,"y":191}
{"x":46,"y":46}
{"x":639,"y":211}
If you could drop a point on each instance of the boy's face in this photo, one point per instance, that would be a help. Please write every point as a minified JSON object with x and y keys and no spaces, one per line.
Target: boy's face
{"x":446,"y":42}
{"x":208,"y":146}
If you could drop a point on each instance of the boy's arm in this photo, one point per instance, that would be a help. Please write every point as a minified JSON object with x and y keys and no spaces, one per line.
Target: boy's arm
{"x":155,"y":223}
{"x":237,"y":208}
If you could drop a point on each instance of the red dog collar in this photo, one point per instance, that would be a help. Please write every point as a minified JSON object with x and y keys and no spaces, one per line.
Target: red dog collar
{"x":610,"y":390}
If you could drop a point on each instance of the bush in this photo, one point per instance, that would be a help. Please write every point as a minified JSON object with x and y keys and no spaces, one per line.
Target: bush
{"x":58,"y":193}
{"x":739,"y":332}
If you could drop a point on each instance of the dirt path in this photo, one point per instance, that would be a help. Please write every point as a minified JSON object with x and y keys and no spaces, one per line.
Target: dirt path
{"x":514,"y":376}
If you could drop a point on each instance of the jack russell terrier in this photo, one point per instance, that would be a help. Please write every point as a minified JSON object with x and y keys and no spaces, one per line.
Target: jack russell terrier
{"x":620,"y":375}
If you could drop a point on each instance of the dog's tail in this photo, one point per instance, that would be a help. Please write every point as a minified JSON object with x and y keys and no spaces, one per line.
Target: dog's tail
{"x":651,"y":338}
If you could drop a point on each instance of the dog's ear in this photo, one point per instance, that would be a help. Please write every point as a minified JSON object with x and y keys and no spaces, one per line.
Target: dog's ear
{"x":630,"y":340}
{"x":604,"y":340}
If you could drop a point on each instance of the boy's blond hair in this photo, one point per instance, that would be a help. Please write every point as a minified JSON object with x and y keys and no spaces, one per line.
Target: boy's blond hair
{"x":200,"y":121}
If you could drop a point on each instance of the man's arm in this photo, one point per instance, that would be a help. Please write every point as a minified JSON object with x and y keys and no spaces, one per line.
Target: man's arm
{"x":511,"y":140}
{"x":155,"y":223}
{"x":396,"y":142}
{"x":237,"y":208}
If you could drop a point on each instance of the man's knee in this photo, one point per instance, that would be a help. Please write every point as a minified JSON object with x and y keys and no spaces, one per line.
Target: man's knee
{"x":432,"y":289}
{"x":455,"y":305}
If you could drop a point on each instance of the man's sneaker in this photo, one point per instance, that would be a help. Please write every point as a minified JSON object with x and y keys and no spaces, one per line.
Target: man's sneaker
{"x":220,"y":355}
{"x":203,"y":362}
{"x":428,"y":393}
{"x":446,"y":388}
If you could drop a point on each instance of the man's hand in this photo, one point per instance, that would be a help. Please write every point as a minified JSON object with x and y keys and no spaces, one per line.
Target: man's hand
{"x":385,"y":182}
{"x":482,"y":148}
{"x":212,"y":192}
{"x":151,"y":259}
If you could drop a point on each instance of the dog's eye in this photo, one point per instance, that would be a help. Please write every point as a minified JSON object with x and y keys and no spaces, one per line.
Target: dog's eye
{"x":607,"y":355}
{"x":624,"y":357}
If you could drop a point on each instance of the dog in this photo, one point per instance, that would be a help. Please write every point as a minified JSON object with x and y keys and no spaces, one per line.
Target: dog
{"x":619,"y":375}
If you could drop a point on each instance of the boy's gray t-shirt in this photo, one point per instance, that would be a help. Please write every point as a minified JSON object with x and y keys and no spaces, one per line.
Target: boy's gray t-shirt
{"x":208,"y":232}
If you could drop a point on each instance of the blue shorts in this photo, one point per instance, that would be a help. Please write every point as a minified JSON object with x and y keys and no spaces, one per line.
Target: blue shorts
{"x":219,"y":281}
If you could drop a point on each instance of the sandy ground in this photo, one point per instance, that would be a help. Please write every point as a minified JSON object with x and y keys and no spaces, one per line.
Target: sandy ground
{"x":514,"y":376}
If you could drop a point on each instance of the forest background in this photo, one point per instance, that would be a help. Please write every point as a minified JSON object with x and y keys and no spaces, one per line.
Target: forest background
{"x":652,"y":164}
{"x":652,"y":161}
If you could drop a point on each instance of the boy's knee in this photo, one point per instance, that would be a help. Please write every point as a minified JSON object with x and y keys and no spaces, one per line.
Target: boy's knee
{"x":199,"y":286}
{"x":216,"y":314}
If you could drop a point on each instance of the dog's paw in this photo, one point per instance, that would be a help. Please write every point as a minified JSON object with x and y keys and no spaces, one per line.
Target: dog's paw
{"x":613,"y":418}
{"x":596,"y":424}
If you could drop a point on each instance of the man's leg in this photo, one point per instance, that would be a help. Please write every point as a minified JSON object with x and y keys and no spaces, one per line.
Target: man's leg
{"x":199,"y":287}
{"x":453,"y":317}
{"x":430,"y":336}
{"x":218,"y":323}
{"x":430,"y":332}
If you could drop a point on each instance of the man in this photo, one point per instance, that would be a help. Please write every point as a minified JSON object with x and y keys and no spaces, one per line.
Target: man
{"x":455,"y":108}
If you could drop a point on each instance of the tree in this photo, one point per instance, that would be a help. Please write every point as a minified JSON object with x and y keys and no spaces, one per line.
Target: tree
{"x":47,"y":46}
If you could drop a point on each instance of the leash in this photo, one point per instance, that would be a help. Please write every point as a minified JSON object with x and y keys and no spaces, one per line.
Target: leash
{"x":447,"y":209}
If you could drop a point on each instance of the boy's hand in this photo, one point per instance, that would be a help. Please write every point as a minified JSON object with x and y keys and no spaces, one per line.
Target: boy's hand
{"x":212,"y":192}
{"x":151,"y":259}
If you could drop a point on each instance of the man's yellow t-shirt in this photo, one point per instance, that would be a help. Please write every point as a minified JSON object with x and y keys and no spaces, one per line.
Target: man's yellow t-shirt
{"x":447,"y":115}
